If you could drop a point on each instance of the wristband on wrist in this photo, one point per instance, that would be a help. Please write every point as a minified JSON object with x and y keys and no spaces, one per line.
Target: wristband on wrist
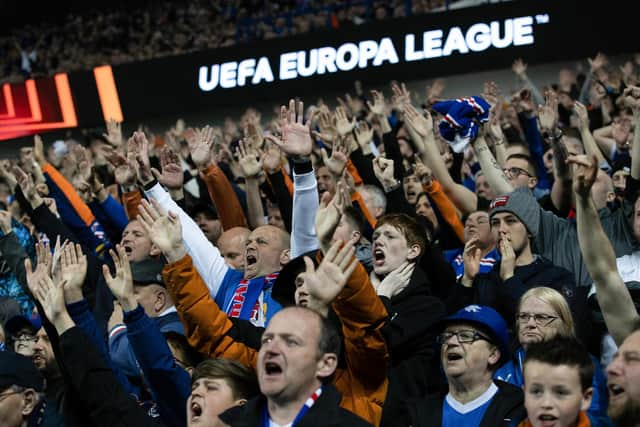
{"x":555,"y":135}
{"x":389,"y":189}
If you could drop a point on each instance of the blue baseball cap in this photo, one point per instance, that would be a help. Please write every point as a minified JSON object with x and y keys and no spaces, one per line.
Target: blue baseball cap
{"x":490,"y":321}
{"x":20,"y":322}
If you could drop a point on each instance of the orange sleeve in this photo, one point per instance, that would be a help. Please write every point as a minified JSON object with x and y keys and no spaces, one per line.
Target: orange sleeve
{"x":363,"y":316}
{"x":353,"y":171}
{"x":70,"y":193}
{"x":446,"y":208}
{"x":207,"y":327}
{"x":356,"y":197}
{"x":225,"y":199}
{"x":131,"y":201}
{"x":287,"y":180}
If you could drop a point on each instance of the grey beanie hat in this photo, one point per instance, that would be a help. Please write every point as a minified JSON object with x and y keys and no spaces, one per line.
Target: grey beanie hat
{"x":522,"y":204}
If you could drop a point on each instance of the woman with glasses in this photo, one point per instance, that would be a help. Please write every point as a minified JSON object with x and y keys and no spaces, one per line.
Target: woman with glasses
{"x":543,"y":313}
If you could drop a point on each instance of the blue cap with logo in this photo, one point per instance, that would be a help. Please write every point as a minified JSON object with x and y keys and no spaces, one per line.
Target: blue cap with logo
{"x":490,"y":321}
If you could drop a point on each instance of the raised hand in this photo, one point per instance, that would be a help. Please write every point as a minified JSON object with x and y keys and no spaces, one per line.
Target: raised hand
{"x":121,"y":284}
{"x":339,"y":157}
{"x":519,"y":68}
{"x":384,"y":171}
{"x":585,"y":171}
{"x":507,"y":258}
{"x":378,"y":107}
{"x":491,"y":93}
{"x":249,"y":161}
{"x":38,"y":150}
{"x":7,"y":175}
{"x":73,"y":271}
{"x":83,"y":162}
{"x":471,"y":257}
{"x":419,"y":126}
{"x":422,"y":171}
{"x":138,"y":145}
{"x":326,"y":123}
{"x":296,"y":136}
{"x":401,"y":97}
{"x":325,"y":283}
{"x":434,"y":91}
{"x":364,"y":135}
{"x":50,"y":294}
{"x":43,"y":265}
{"x":395,"y":281}
{"x":253,"y":135}
{"x":164,"y":229}
{"x":5,"y":222}
{"x":548,"y":113}
{"x":329,"y":213}
{"x":582,"y":114}
{"x":114,"y":133}
{"x":270,"y":158}
{"x":200,"y":146}
{"x":495,"y":129}
{"x":343,"y":125}
{"x":172,"y":176}
{"x":597,"y":62}
{"x":28,"y":187}
{"x":631,"y":98}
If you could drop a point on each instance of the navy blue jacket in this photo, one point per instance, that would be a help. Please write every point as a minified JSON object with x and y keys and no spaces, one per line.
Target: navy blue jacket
{"x":170,"y":384}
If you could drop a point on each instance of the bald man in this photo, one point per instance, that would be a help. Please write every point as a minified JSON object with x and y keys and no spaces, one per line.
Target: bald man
{"x":232,"y":244}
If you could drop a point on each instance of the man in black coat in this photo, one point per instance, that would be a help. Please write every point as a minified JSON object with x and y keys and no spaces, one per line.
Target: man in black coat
{"x":405,"y":289}
{"x":297,"y":359}
{"x":474,"y":342}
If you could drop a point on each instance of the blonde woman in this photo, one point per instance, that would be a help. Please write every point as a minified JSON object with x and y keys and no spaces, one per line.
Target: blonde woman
{"x":543,"y":313}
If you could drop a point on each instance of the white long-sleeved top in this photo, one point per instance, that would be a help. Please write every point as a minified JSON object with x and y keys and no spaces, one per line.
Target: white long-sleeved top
{"x":303,"y":216}
{"x":206,"y":257}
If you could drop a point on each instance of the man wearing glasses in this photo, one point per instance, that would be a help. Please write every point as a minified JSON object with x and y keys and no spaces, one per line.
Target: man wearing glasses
{"x":473,"y":344}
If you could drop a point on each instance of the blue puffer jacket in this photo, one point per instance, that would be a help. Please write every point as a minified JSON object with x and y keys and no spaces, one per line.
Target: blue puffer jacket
{"x":511,"y":372}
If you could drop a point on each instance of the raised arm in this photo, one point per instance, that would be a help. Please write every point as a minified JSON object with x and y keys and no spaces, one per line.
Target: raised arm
{"x":219,"y":187}
{"x":590,"y":146}
{"x":495,"y":175}
{"x":168,"y":381}
{"x":342,"y":282}
{"x":297,"y":144}
{"x":206,"y":325}
{"x":420,"y":129}
{"x":251,"y":167}
{"x":206,"y":257}
{"x":632,"y":99}
{"x":613,"y":296}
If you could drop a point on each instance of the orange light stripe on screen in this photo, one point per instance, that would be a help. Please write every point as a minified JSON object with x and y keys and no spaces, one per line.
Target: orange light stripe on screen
{"x":8,"y":99}
{"x":34,"y":103}
{"x":108,"y":93}
{"x":69,"y":118}
{"x":34,"y":106}
{"x":66,"y":101}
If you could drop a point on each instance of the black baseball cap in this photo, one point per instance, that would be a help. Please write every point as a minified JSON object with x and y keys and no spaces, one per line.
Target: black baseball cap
{"x":18,"y":370}
{"x":284,"y":288}
{"x":147,"y":272}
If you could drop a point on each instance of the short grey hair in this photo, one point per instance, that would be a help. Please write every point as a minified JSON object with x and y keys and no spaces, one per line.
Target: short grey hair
{"x":377,"y":196}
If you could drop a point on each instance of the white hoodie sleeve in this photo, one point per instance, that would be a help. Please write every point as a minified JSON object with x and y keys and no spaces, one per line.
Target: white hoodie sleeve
{"x":206,"y":257}
{"x":303,"y":217}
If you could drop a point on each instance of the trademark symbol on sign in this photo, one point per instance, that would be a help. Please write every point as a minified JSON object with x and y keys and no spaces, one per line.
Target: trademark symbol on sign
{"x":542,"y":19}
